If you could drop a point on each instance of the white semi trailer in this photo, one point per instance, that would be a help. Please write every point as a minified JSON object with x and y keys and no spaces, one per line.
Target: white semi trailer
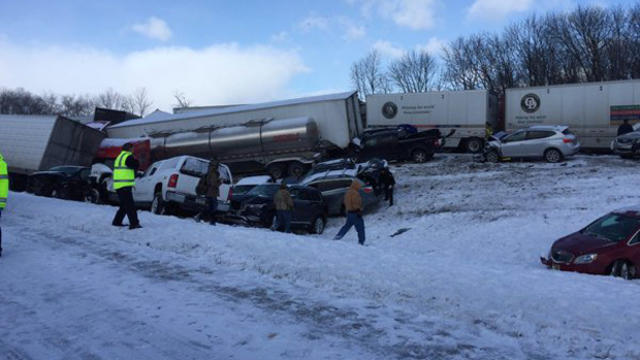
{"x":593,"y":111}
{"x":467,"y":112}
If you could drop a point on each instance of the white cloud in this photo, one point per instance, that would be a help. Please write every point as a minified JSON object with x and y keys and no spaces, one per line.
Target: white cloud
{"x":314,"y":22}
{"x":388,"y":49}
{"x":497,"y":9}
{"x":434,"y":46}
{"x":154,"y":28}
{"x":354,"y":32}
{"x":414,"y":14}
{"x":218,"y":74}
{"x":280,"y":37}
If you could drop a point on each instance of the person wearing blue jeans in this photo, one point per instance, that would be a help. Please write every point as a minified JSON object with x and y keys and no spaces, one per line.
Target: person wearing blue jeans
{"x":284,"y":205}
{"x":353,"y":206}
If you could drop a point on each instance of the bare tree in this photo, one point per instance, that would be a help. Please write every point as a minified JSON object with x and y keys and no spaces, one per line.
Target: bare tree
{"x":141,"y":101}
{"x":414,"y":72}
{"x":368,"y":76}
{"x":181,"y":100}
{"x":111,"y":99}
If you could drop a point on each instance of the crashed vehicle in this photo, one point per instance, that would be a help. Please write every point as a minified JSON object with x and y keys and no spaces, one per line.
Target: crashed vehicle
{"x":395,"y":144}
{"x":550,"y":143}
{"x":240,"y":190}
{"x":309,"y":213}
{"x":63,"y":182}
{"x":627,"y":145}
{"x":608,"y":246}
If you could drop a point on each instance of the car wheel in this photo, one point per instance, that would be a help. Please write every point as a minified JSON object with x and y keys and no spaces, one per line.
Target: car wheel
{"x":317,"y":225}
{"x":492,"y":156}
{"x":552,"y":156}
{"x":296,"y":169}
{"x":627,"y":271}
{"x":615,"y":268}
{"x":157,"y":205}
{"x":276,"y":171}
{"x":474,"y":145}
{"x":56,"y":193}
{"x":419,"y":156}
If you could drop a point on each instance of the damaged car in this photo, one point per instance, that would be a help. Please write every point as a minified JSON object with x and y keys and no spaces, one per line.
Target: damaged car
{"x":608,"y":246}
{"x":550,"y":143}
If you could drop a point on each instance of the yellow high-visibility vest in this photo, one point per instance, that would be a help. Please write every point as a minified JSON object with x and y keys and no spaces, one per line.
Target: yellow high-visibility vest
{"x":4,"y":183}
{"x":123,"y":176}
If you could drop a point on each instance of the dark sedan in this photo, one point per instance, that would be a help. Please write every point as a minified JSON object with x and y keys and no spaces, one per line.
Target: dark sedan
{"x":64,"y":182}
{"x":607,"y":246}
{"x":309,"y":211}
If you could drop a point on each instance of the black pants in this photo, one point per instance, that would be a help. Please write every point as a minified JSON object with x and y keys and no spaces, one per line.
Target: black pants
{"x":126,"y":207}
{"x":0,"y":235}
{"x":388,"y":194}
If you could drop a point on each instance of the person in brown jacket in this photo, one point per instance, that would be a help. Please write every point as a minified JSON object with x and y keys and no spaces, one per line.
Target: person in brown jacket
{"x":209,"y":186}
{"x":284,"y":205}
{"x":353,"y":206}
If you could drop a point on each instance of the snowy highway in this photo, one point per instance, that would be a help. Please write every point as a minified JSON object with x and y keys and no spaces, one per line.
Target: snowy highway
{"x":464,"y":282}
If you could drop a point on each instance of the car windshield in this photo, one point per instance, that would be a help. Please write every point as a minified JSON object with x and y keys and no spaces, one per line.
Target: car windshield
{"x":69,"y":170}
{"x":242,"y":189}
{"x":613,"y":227}
{"x":264,"y":190}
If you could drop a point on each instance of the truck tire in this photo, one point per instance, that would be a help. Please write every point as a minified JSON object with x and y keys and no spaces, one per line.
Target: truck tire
{"x":277,"y":171}
{"x":158,"y":206}
{"x":474,"y":145}
{"x":296,"y":169}
{"x":552,"y":155}
{"x":420,"y":155}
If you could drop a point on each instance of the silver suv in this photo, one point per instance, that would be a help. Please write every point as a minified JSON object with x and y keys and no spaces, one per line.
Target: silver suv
{"x":627,"y":145}
{"x":551,"y":143}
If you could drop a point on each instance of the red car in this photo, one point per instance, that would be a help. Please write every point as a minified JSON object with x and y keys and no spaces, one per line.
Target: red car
{"x":608,"y":246}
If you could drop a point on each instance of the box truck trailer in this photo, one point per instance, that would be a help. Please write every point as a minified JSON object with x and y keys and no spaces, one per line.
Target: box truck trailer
{"x":593,"y":111}
{"x":468,"y":112}
{"x":31,"y":143}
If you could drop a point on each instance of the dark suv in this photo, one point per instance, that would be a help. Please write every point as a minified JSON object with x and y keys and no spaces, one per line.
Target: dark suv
{"x":396,"y":144}
{"x":309,"y":213}
{"x":63,"y":182}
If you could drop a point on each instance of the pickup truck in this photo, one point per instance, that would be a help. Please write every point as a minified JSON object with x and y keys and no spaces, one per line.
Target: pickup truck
{"x":397,"y":144}
{"x":170,"y":184}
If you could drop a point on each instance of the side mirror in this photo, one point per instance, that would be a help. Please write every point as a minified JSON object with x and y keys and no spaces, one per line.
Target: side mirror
{"x":139,"y":174}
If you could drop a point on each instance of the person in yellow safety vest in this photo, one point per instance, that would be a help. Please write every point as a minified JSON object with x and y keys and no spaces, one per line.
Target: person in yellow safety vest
{"x":124,"y":179}
{"x":4,"y":191}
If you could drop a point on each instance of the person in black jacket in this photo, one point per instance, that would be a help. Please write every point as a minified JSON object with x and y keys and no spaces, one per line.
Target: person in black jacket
{"x":388,"y":182}
{"x":625,"y":128}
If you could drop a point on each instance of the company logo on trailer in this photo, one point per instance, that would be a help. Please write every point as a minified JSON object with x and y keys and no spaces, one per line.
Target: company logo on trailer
{"x":530,"y":103}
{"x":389,"y":110}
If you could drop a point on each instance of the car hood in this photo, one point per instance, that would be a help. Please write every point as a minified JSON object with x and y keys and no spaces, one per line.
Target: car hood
{"x":47,"y":172}
{"x":632,"y":135}
{"x":578,"y":243}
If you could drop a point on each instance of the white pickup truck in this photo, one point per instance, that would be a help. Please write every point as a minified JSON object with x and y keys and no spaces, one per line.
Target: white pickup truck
{"x":171,"y":184}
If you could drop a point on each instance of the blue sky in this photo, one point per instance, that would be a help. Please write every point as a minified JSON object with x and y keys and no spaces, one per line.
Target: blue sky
{"x":218,"y":52}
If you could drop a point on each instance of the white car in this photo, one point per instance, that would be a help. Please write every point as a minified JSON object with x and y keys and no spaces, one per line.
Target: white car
{"x":171,"y":183}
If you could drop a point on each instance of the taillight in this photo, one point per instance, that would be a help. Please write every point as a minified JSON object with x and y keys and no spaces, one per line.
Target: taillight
{"x":436,"y":142}
{"x":367,"y":189}
{"x":567,"y":140}
{"x":173,"y":181}
{"x":230,"y":194}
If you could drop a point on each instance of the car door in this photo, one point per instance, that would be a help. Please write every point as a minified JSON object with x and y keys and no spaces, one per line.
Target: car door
{"x":143,"y":191}
{"x":534,"y":143}
{"x":300,"y":205}
{"x":512,"y":144}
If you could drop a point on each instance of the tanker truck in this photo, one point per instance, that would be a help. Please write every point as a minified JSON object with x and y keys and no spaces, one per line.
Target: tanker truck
{"x":281,"y":146}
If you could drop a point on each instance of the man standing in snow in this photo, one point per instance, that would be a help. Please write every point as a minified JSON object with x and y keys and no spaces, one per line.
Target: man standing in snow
{"x":4,"y":191}
{"x":284,"y":205}
{"x":353,"y":206}
{"x":124,"y":179}
{"x":625,"y":128}
{"x":388,"y":183}
{"x":209,"y":186}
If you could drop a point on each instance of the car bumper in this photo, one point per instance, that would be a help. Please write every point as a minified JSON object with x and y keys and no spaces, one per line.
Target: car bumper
{"x":570,"y":149}
{"x":591,"y":268}
{"x":623,"y":149}
{"x":193,"y":202}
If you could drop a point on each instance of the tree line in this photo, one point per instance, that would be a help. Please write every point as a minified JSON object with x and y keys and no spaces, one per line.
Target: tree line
{"x":585,"y":45}
{"x":21,"y":101}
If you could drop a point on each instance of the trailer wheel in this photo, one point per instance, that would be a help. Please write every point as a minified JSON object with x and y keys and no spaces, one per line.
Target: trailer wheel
{"x":296,"y":169}
{"x":474,"y":145}
{"x":276,"y":171}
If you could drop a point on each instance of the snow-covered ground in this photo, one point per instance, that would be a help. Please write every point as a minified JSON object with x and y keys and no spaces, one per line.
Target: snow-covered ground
{"x":464,"y":282}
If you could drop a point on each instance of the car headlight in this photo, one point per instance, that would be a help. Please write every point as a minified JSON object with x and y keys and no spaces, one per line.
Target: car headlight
{"x":585,"y":259}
